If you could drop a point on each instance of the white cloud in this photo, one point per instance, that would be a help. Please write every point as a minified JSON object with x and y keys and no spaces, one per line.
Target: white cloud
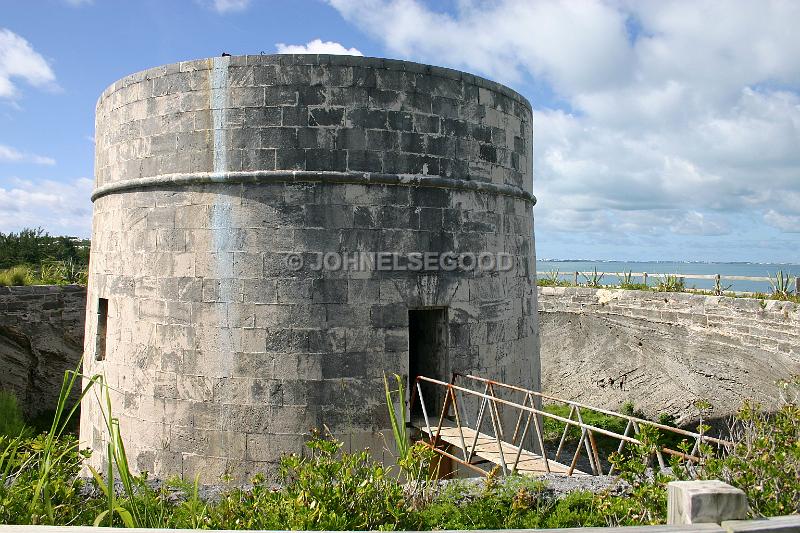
{"x":571,"y":44}
{"x":79,"y":3}
{"x":9,"y":154}
{"x":787,"y":223}
{"x":678,"y":116}
{"x":19,"y":60}
{"x":60,"y":208}
{"x":317,"y":46}
{"x":229,"y":6}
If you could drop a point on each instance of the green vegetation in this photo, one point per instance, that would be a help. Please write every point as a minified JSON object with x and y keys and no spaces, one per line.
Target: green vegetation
{"x":15,"y":276}
{"x":12,"y":423}
{"x":47,"y":273}
{"x":785,"y":298}
{"x":593,"y":279}
{"x":670,"y":283}
{"x":782,"y":286}
{"x":627,"y":282}
{"x":553,"y":279}
{"x":765,"y":460}
{"x":33,"y":257}
{"x":513,"y":503}
{"x":719,"y":288}
{"x":553,"y":429}
{"x":326,"y":488}
{"x":34,"y":246}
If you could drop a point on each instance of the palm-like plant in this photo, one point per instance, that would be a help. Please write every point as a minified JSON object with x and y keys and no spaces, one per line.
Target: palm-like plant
{"x":781,"y":285}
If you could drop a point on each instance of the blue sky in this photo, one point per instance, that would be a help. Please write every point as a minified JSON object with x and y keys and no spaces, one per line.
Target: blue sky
{"x":663,"y":130}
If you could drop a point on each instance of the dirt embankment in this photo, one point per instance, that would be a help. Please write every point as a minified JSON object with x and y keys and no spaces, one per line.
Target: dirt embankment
{"x":664,"y":351}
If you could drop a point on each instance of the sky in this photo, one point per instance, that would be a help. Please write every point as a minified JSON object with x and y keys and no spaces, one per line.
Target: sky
{"x":662,"y":130}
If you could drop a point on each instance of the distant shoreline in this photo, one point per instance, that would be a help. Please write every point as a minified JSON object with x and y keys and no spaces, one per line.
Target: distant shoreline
{"x":566,"y":269}
{"x":656,"y":262}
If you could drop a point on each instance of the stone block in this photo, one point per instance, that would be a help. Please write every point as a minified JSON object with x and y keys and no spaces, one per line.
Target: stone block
{"x":707,"y":501}
{"x":776,"y":524}
{"x":326,"y":116}
{"x":294,"y":116}
{"x":271,"y":447}
{"x":365,"y":160}
{"x":331,"y":340}
{"x":363,"y":339}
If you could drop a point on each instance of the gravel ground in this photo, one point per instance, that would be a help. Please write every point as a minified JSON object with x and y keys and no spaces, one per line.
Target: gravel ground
{"x":557,"y":486}
{"x":563,"y":485}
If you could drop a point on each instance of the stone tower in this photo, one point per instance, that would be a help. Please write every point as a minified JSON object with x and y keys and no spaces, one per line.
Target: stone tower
{"x":239,"y":290}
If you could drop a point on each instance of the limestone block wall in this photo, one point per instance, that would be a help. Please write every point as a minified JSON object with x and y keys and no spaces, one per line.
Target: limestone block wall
{"x":211,"y":174}
{"x":663,"y":351}
{"x":41,"y":337}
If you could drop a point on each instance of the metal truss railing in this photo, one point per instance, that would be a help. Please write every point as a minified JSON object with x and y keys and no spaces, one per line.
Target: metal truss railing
{"x":453,"y":429}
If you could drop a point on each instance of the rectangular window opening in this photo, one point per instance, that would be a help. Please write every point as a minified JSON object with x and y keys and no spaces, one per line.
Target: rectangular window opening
{"x":428,"y":356}
{"x":102,"y":327}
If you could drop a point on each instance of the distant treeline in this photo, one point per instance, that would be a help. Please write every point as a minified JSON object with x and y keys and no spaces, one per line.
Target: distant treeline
{"x":35,"y":246}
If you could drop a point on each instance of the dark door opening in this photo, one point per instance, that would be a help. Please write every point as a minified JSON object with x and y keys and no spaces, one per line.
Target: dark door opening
{"x":102,"y":329}
{"x":428,"y":356}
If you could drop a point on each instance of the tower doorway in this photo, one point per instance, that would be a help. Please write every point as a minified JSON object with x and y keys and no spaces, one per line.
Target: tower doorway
{"x":428,"y":356}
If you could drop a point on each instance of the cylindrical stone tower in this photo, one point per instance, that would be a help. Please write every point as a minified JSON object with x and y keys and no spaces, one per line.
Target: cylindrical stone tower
{"x":240,"y":292}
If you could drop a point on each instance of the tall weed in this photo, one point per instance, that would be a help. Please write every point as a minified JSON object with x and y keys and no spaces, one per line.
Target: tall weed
{"x":670,"y":283}
{"x":781,"y":285}
{"x":12,"y":424}
{"x":15,"y":276}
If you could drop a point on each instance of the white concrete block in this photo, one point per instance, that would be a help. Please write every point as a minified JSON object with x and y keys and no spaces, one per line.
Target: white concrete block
{"x":707,"y":501}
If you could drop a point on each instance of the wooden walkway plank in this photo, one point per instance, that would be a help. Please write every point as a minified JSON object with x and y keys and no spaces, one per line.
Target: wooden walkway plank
{"x":530,"y":464}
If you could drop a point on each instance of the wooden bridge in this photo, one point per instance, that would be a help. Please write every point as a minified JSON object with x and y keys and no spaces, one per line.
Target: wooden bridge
{"x":522,"y":450}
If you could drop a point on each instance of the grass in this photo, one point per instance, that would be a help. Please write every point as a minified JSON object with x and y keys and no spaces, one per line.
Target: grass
{"x":12,"y":423}
{"x":553,"y":279}
{"x":593,"y":279}
{"x":554,"y":429}
{"x":46,"y":273}
{"x":670,"y":283}
{"x":15,"y":276}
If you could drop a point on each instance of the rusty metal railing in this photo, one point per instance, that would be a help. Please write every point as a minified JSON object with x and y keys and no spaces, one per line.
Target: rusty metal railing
{"x":453,"y":429}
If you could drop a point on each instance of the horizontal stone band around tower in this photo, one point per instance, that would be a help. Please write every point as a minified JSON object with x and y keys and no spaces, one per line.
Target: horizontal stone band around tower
{"x":280,"y":176}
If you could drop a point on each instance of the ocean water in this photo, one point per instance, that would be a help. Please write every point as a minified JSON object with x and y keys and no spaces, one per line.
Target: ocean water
{"x":567,"y":269}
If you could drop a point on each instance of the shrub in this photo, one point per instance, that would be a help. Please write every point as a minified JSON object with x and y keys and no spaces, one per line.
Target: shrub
{"x":552,"y":279}
{"x":781,"y":285}
{"x":593,"y":279}
{"x":764,"y":460}
{"x":328,"y":489}
{"x":342,"y":491}
{"x":671,"y":283}
{"x":12,"y":423}
{"x":66,"y":272}
{"x":32,"y":246}
{"x":325,"y":490}
{"x":626,"y":282}
{"x":553,"y":429}
{"x":15,"y":276}
{"x":28,"y":495}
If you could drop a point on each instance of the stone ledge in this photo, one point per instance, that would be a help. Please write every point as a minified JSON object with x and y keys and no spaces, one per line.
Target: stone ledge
{"x":305,"y":176}
{"x":22,"y":290}
{"x":777,"y":524}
